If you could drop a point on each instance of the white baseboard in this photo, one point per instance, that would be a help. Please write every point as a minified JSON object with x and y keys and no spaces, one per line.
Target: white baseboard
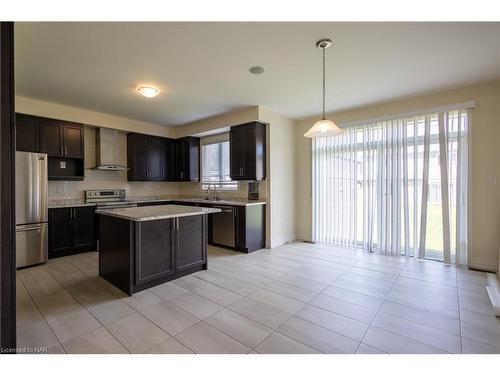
{"x":483,"y":264}
{"x":493,"y":290}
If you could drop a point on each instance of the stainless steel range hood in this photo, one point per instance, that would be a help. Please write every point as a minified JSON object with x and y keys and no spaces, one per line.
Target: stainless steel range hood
{"x":106,"y":150}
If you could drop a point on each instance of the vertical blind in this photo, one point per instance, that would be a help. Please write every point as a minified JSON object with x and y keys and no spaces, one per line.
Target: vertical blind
{"x":398,"y":187}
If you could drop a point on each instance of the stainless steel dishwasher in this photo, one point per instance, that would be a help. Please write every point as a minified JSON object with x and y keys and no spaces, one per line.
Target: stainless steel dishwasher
{"x":223,"y":226}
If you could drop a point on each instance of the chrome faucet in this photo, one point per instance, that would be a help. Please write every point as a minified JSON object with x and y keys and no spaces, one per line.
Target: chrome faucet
{"x":214,"y":191}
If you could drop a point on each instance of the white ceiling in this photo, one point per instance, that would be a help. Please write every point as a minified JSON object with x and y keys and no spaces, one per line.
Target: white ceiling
{"x":202,"y":68}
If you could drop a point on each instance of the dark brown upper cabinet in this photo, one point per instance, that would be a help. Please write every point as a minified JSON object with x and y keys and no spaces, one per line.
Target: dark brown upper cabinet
{"x":187,"y":159}
{"x":27,"y":133}
{"x":56,"y":138}
{"x":73,"y":140}
{"x":247,"y":144}
{"x":137,"y":157}
{"x":151,"y":158}
{"x":156,"y":158}
{"x":62,"y":141}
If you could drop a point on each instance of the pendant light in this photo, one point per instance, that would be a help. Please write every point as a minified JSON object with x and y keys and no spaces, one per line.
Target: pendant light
{"x":323,"y":127}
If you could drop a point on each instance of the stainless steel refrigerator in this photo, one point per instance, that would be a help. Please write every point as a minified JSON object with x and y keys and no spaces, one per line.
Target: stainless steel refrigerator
{"x":31,"y":209}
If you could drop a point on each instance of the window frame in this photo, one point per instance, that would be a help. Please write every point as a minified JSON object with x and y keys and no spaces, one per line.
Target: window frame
{"x":220,"y":185}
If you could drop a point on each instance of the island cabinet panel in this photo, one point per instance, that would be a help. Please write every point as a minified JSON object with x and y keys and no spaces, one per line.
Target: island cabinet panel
{"x":137,"y":255}
{"x":191,"y":250}
{"x":116,"y":260}
{"x":155,"y":258}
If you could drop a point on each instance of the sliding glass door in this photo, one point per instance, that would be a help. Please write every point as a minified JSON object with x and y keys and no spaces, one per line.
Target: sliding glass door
{"x":395,"y":187}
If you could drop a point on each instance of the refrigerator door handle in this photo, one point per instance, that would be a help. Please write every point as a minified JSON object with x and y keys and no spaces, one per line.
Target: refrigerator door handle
{"x":29,"y":229}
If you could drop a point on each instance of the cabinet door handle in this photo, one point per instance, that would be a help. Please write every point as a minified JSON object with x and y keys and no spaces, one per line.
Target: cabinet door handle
{"x":62,"y":151}
{"x":65,"y":150}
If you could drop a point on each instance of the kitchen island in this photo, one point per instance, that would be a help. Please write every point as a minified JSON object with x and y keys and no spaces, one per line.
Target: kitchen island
{"x":141,"y":247}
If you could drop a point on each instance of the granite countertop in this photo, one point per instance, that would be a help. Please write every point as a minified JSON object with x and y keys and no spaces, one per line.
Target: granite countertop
{"x":56,"y":203}
{"x":148,"y":213}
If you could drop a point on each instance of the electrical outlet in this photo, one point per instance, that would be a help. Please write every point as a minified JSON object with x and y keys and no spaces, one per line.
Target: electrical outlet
{"x":62,"y":165}
{"x":493,"y":180}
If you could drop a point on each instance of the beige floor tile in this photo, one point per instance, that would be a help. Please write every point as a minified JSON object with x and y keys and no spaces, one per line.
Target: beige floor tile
{"x":171,"y":346}
{"x":304,"y":283}
{"x":142,"y":300}
{"x":296,"y":293}
{"x":169,"y":317}
{"x":71,"y":323}
{"x":246,"y":331}
{"x":317,"y":337}
{"x":345,"y":326}
{"x":426,"y":335}
{"x":110,"y":287}
{"x":278,"y":301}
{"x":264,"y":314}
{"x":351,"y":296}
{"x":33,"y":274}
{"x":395,"y":344}
{"x":344,"y":308}
{"x":204,"y":339}
{"x":424,"y":317}
{"x":136,"y":333}
{"x":99,"y":341}
{"x":277,"y":343}
{"x":21,"y":292}
{"x":27,"y":312}
{"x":58,"y":349}
{"x":41,"y":287}
{"x":56,"y":302}
{"x":36,"y":334}
{"x":110,"y":311}
{"x":475,"y":347}
{"x":480,"y":334}
{"x":207,"y":290}
{"x":196,"y":305}
{"x":60,"y":268}
{"x":226,"y":282}
{"x":69,"y":280}
{"x":168,"y":291}
{"x":366,"y":349}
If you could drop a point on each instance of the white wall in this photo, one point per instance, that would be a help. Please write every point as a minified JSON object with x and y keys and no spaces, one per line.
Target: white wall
{"x":281,"y":177}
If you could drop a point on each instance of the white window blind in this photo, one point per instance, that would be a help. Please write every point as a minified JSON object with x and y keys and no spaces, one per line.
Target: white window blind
{"x":396,"y":187}
{"x":215,"y":166}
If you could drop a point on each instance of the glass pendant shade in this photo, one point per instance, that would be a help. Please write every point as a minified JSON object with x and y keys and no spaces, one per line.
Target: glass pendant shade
{"x":323,"y":128}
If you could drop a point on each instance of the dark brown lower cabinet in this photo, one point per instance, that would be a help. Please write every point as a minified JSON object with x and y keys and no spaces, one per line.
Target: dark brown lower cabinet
{"x":135,"y":256}
{"x":250,"y":228}
{"x":71,"y":231}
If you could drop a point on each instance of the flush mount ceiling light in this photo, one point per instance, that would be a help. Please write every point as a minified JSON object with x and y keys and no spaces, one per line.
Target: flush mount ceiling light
{"x":323,"y":127}
{"x":257,"y":70}
{"x":148,"y":91}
